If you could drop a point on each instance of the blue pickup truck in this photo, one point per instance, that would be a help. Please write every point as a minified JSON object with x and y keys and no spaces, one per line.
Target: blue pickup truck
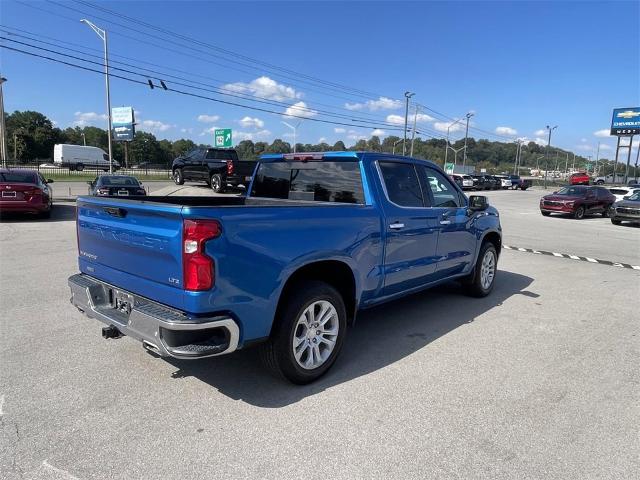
{"x":318,"y":237}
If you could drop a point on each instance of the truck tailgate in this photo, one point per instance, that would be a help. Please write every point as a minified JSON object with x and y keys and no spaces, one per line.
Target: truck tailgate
{"x":139,"y":238}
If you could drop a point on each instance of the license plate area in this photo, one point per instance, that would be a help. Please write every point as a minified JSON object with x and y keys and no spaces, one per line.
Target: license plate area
{"x":123,"y":193}
{"x":121,"y":301}
{"x":8,"y":194}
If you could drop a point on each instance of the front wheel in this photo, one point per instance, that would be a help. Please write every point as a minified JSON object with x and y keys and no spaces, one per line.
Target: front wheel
{"x":480,"y":282}
{"x":545,"y":214}
{"x":615,"y":221}
{"x":605,"y":212}
{"x":178,"y":177}
{"x":308,"y":333}
{"x":579,"y":213}
{"x":600,"y":182}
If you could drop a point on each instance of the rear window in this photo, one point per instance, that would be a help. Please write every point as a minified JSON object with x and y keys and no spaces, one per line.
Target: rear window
{"x":18,"y":177}
{"x":618,"y":191}
{"x":311,"y":181}
{"x":222,"y":155}
{"x":119,"y":181}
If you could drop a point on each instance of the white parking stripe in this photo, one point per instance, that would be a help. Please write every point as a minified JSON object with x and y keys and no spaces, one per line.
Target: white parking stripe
{"x":557,"y":254}
{"x":573,"y":257}
{"x":592,"y":260}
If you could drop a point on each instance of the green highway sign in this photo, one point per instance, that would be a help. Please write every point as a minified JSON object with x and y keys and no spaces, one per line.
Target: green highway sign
{"x":222,"y":137}
{"x":448,"y":168}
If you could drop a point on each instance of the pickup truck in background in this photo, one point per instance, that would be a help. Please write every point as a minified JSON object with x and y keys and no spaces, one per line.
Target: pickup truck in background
{"x":218,"y":167}
{"x":317,"y":237}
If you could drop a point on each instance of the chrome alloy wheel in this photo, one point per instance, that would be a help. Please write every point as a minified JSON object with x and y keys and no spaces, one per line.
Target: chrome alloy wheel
{"x":488,"y":269}
{"x":315,"y":334}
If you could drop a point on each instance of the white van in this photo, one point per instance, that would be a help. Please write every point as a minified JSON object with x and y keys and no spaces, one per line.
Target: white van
{"x":78,"y":157}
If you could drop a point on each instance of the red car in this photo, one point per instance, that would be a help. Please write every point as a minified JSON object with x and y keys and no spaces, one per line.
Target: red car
{"x":578,"y":201}
{"x":25,"y":191}
{"x":579,"y":179}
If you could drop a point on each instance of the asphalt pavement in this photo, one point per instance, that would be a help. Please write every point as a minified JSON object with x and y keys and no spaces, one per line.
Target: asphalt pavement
{"x":538,"y":380}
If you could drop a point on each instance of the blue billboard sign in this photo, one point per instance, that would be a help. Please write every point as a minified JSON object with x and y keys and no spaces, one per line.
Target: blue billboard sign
{"x":123,"y":121}
{"x":626,"y":121}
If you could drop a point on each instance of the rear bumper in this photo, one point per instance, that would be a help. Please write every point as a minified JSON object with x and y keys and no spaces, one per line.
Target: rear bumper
{"x":23,"y":207}
{"x":162,"y":330}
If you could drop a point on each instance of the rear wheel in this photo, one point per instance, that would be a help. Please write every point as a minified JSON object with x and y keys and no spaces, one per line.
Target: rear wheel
{"x":615,"y":221}
{"x":178,"y":177}
{"x":600,"y":182}
{"x":605,"y":212}
{"x":579,"y":213}
{"x":216,"y":183}
{"x":308,"y":333}
{"x":545,"y":214}
{"x":79,"y":167}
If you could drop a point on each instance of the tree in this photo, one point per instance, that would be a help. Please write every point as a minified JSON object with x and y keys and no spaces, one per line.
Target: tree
{"x":279,"y":146}
{"x":144,"y":148}
{"x":182,"y":146}
{"x":339,"y":146}
{"x":31,"y":135}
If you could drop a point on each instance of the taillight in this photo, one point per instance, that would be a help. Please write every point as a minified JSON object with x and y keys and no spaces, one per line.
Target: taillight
{"x":198,"y":268}
{"x":103,"y":191}
{"x":28,"y":194}
{"x":229,"y":167}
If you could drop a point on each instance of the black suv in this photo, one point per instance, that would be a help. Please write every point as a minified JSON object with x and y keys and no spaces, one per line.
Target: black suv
{"x":210,"y":165}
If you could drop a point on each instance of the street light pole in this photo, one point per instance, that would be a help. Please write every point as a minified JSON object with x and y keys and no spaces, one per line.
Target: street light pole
{"x":466,"y":135}
{"x":407,"y":96}
{"x":595,"y":171}
{"x":3,"y":130}
{"x":446,"y":150}
{"x":546,"y":168}
{"x":103,"y":36}
{"x":413,"y":134}
{"x":84,"y":139}
{"x":294,"y":132}
{"x":393,"y":151}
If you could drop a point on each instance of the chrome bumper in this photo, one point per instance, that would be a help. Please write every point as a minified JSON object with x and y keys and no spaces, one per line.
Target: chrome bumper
{"x":162,"y":330}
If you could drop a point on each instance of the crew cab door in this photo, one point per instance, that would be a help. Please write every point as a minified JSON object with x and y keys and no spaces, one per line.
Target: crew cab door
{"x":410,"y":228}
{"x":193,"y":165}
{"x":456,"y":228}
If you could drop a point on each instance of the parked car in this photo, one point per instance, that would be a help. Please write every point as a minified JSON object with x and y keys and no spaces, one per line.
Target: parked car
{"x":25,"y":191}
{"x":579,"y":179}
{"x":318,"y":237}
{"x":465,"y":182}
{"x":494,"y":182}
{"x":505,"y":181}
{"x":627,"y":210}
{"x":79,"y":157}
{"x":116,"y":186}
{"x":218,"y":167}
{"x":622,"y":192}
{"x":601,"y":180}
{"x":519,"y":183}
{"x":578,"y":200}
{"x":483,"y":182}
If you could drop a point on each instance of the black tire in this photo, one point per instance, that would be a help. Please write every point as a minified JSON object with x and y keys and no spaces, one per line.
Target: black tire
{"x":600,"y":182}
{"x":216,"y":183}
{"x":79,"y":167}
{"x":605,"y":212}
{"x":615,"y":221}
{"x":178,"y":177}
{"x":579,"y":213}
{"x":278,"y":352}
{"x":46,"y":213}
{"x":473,"y":283}
{"x":545,"y":214}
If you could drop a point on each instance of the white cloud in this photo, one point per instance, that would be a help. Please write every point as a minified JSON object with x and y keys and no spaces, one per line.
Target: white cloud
{"x":395,"y":119}
{"x":209,"y":131}
{"x":186,"y":130}
{"x":354,"y":135}
{"x":583,"y":140}
{"x":299,"y":109}
{"x":378,"y":133}
{"x":208,"y":118}
{"x":606,"y":147}
{"x":506,"y":131}
{"x":605,"y":132}
{"x":264,"y":87}
{"x":423,"y":117}
{"x":539,"y":133}
{"x":540,"y":141}
{"x":249,"y":122}
{"x":453,"y":127}
{"x":82,"y":119}
{"x":339,"y":130}
{"x":260,"y":134}
{"x":382,"y":103}
{"x":584,"y":147}
{"x":154,"y":126}
{"x":322,"y":140}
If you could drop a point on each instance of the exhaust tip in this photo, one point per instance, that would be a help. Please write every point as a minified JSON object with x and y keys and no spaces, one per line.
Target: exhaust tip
{"x":111,"y":332}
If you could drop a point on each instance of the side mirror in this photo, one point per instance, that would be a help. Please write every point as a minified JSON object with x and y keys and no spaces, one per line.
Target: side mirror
{"x":89,"y":183}
{"x":478,"y":203}
{"x":49,"y":180}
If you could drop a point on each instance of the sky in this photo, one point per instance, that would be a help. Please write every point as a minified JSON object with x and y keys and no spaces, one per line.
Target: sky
{"x":517,"y":66}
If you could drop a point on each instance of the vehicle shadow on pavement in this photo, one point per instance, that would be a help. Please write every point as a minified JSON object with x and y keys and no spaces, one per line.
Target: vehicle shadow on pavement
{"x":61,"y":212}
{"x":381,"y":336}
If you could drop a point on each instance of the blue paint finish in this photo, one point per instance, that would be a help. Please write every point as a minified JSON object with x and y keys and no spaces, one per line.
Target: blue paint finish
{"x":261,"y":246}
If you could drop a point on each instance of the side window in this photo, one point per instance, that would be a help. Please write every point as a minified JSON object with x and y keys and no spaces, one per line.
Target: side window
{"x":211,"y":155}
{"x":442,"y":190}
{"x":105,"y":157}
{"x":402,"y":184}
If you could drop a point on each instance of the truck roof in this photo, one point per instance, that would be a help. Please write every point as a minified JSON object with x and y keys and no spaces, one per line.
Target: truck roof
{"x":334,"y":156}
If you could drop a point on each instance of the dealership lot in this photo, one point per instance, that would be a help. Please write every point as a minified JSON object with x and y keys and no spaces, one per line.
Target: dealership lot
{"x":538,"y":380}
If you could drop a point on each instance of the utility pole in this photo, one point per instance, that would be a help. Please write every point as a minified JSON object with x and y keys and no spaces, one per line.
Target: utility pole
{"x":566,"y":165}
{"x":393,"y":151}
{"x":103,"y":36}
{"x":3,"y":130}
{"x":546,"y":168}
{"x":518,"y":153}
{"x":466,"y":135}
{"x":84,"y":139}
{"x":626,"y":172}
{"x":407,"y":96}
{"x":413,"y":135}
{"x":15,"y":147}
{"x":573,"y":165}
{"x":446,"y":150}
{"x":595,"y":170}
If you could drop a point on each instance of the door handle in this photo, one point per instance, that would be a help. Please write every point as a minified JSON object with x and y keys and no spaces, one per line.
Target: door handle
{"x":445,"y":222}
{"x":396,"y":226}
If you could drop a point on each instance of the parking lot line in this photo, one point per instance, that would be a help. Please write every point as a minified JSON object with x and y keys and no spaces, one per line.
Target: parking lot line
{"x":574,"y":257}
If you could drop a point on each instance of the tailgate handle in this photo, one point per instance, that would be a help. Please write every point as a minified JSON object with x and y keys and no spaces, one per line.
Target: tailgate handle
{"x":116,"y":212}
